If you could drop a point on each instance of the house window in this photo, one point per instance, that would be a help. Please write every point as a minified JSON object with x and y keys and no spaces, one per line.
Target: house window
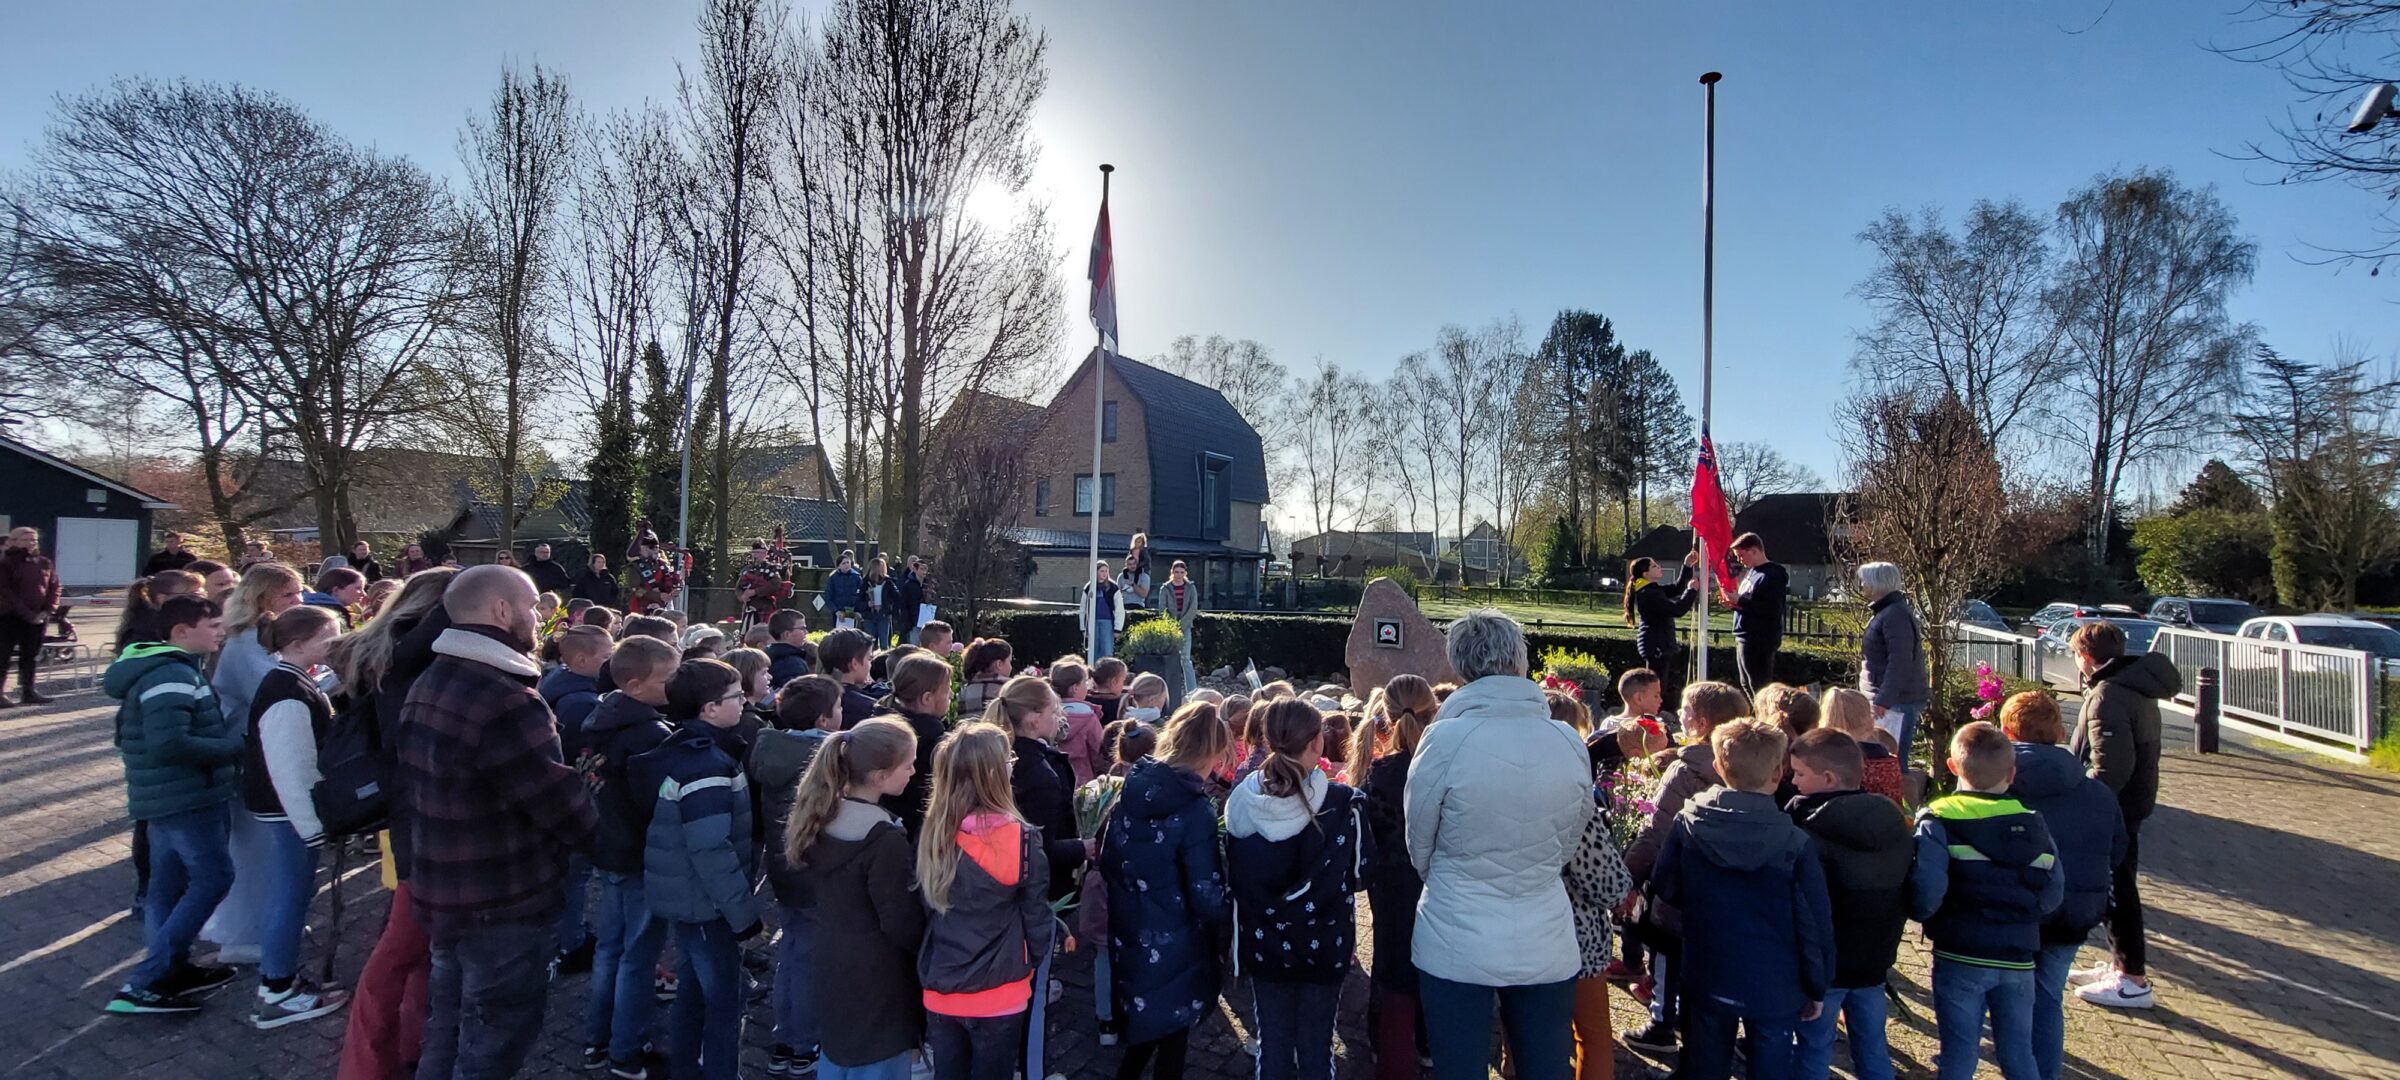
{"x":1041,"y":498}
{"x":1215,"y":506}
{"x":1083,"y":494}
{"x":1108,"y":421}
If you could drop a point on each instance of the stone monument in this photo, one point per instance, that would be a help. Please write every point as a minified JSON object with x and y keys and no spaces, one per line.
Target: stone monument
{"x":1391,"y":636}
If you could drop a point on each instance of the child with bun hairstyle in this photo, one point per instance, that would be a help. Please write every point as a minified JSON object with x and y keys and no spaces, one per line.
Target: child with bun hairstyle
{"x":288,"y":717}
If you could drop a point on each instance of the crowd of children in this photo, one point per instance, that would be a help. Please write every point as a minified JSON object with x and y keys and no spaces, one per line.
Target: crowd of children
{"x":919,"y":817}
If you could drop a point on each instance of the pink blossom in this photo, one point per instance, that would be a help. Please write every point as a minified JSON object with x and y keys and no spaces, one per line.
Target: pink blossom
{"x":1983,"y":711}
{"x":1645,"y":806}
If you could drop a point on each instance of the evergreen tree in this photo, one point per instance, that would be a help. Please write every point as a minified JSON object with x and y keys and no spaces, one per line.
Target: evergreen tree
{"x":2217,"y":487}
{"x":1658,"y":438}
{"x":662,"y":448}
{"x":616,"y":468}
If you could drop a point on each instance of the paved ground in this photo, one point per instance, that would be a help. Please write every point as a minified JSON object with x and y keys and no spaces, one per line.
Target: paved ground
{"x":2270,"y":880}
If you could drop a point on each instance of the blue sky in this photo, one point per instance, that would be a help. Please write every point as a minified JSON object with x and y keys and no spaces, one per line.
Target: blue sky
{"x":1340,"y":180}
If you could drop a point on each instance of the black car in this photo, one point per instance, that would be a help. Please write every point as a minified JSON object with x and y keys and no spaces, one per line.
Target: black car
{"x":2216,"y":615}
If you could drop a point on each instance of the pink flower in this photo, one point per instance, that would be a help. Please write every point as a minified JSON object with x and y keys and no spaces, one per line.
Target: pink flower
{"x":1983,"y":711}
{"x":1645,"y":806}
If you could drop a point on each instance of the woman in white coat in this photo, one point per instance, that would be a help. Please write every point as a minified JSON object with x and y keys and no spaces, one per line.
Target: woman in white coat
{"x":1497,"y":799}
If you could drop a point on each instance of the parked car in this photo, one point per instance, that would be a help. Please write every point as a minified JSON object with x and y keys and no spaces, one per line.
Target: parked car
{"x":2332,"y":632}
{"x":2058,"y":664}
{"x":1978,"y":613}
{"x":2040,"y":621}
{"x":2216,"y":615}
{"x":2381,"y":618}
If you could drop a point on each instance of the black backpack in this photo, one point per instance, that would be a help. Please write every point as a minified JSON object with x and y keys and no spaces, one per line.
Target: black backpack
{"x":351,"y":794}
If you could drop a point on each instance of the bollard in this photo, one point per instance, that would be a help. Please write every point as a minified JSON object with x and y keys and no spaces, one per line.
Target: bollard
{"x":2204,"y":711}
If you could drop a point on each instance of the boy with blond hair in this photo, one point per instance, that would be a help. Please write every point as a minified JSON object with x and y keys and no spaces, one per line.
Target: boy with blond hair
{"x":1986,"y":874}
{"x":1747,"y":881}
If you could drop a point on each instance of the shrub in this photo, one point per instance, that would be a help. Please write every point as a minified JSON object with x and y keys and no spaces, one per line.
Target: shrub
{"x":1297,"y":643}
{"x":1581,"y":668}
{"x":1400,"y":575}
{"x":1154,"y":635}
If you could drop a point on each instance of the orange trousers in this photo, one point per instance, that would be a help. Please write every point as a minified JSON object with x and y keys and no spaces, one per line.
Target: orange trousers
{"x":1595,"y":1043}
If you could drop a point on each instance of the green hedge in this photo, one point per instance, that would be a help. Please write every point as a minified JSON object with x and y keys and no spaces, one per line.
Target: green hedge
{"x":1313,"y":645}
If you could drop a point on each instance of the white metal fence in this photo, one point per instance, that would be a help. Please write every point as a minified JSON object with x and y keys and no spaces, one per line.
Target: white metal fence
{"x":2013,"y":655}
{"x":2303,"y":693}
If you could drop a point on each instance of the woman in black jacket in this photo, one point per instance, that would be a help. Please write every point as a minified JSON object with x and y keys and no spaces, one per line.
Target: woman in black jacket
{"x":1039,"y":778}
{"x":1651,"y":608}
{"x":1379,"y":758}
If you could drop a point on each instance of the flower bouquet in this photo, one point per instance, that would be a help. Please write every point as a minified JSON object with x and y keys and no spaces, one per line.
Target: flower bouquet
{"x":1989,"y":690}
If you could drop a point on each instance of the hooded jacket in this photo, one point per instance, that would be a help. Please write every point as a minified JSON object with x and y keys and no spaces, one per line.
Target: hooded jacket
{"x":571,"y":696}
{"x":1986,"y":876}
{"x":1736,"y":865}
{"x":1866,"y":846}
{"x":492,"y":807}
{"x":2084,"y":821}
{"x":1295,"y":866}
{"x":842,"y":589}
{"x":1891,"y":670}
{"x":1694,"y":771}
{"x":1498,"y":794}
{"x":696,"y":858}
{"x":180,"y":751}
{"x":619,"y":730}
{"x":786,"y":661}
{"x":870,"y":923}
{"x":979,"y":956}
{"x":777,"y":761}
{"x":241,"y":665}
{"x":1166,"y":901}
{"x":2118,"y":735}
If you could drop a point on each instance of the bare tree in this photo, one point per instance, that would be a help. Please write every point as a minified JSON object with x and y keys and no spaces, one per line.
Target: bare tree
{"x":1748,"y":470}
{"x":611,"y":277}
{"x":1332,"y":433}
{"x":1466,"y":369}
{"x":979,"y":497}
{"x":328,"y":270}
{"x":2330,"y":52}
{"x":2146,"y":266}
{"x":1417,"y":405}
{"x":1930,"y":500}
{"x":940,"y":95}
{"x":1963,"y":312}
{"x":519,"y":163}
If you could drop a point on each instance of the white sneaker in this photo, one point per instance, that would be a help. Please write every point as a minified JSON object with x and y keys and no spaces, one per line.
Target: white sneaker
{"x":2077,"y":980}
{"x":303,"y":1001}
{"x":2118,"y":993}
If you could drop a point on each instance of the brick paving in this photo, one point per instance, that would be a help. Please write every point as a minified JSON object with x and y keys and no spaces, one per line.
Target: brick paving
{"x":2270,"y":879}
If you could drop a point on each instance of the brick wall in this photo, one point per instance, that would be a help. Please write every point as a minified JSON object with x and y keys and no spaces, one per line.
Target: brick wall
{"x":1063,"y":448}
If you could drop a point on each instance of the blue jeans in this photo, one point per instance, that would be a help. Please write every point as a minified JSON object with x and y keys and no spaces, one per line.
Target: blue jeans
{"x":1906,"y":716}
{"x":1962,"y":995}
{"x":1295,"y":1029}
{"x":1870,"y":1054}
{"x":1708,"y":1036}
{"x":574,"y":925}
{"x":891,"y":1068}
{"x":1104,"y":639}
{"x":795,"y":1014}
{"x":1539,"y":1021}
{"x":878,"y":627}
{"x":486,"y":993}
{"x":2050,"y":1008}
{"x":291,"y":884}
{"x":1103,"y":986}
{"x":706,"y":1018}
{"x":624,"y":964}
{"x":190,"y":873}
{"x":975,"y":1047}
{"x":1037,"y":1021}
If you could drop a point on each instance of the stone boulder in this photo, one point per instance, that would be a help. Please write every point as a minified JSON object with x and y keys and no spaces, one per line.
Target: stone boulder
{"x":1383,"y":609}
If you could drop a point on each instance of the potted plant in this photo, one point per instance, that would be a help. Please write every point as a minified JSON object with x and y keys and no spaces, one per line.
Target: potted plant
{"x":1155,"y":645}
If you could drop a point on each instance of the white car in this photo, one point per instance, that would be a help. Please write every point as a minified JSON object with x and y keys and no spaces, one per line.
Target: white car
{"x":2330,"y":631}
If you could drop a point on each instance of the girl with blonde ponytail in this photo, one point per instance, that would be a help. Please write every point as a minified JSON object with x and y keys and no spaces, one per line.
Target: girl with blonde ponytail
{"x":1381,"y":770}
{"x":866,"y":923}
{"x":1295,"y":857}
{"x":983,"y":874}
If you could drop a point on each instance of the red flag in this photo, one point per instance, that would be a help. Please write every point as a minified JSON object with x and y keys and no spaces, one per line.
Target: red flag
{"x":1103,"y":275}
{"x":1712,"y":523}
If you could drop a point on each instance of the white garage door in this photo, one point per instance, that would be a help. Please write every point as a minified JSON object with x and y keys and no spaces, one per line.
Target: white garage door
{"x":96,"y":551}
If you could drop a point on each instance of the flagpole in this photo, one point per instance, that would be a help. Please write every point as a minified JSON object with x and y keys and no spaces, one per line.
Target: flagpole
{"x":1708,"y":315}
{"x":1091,"y":633}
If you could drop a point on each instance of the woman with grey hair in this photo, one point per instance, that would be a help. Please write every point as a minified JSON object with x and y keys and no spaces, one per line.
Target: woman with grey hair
{"x":1891,"y":671}
{"x":1497,"y":799}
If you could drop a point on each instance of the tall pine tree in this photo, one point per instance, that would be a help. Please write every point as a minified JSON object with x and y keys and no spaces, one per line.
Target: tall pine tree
{"x":661,"y":422}
{"x":615,"y":469}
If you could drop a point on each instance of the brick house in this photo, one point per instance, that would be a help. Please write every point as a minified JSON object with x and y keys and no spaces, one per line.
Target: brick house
{"x":1177,"y":462}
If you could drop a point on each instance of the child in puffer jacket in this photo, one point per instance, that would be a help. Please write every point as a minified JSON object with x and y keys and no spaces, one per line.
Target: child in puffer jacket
{"x":1128,"y":742}
{"x":986,"y":882}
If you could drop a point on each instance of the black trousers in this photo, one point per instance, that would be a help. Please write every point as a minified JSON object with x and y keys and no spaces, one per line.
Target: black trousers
{"x":1671,"y":667}
{"x":1754,"y":659}
{"x":1169,"y":1053}
{"x":2125,"y":907}
{"x":22,"y":641}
